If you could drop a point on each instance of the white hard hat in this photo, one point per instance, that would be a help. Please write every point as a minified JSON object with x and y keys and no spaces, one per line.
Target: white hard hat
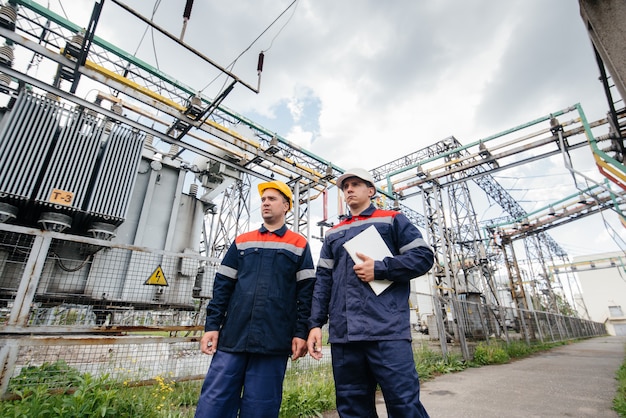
{"x":356,"y":172}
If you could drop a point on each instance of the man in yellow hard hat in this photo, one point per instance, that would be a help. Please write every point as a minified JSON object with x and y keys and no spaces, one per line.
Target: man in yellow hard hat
{"x":258,"y":315}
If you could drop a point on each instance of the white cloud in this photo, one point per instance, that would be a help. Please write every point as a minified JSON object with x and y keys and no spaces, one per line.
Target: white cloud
{"x":368,"y":82}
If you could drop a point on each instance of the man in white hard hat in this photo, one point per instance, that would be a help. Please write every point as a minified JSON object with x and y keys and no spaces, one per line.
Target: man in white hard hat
{"x":258,"y":315}
{"x":369,"y":333}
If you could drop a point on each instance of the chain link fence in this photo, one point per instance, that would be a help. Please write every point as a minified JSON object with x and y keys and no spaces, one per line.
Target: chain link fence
{"x":133,"y":314}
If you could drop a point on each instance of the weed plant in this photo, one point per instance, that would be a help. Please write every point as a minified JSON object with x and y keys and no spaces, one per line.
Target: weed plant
{"x":51,"y":375}
{"x":619,"y":402}
{"x":307,"y":391}
{"x":519,"y":349}
{"x":87,"y":396}
{"x":490,"y":353}
{"x":430,"y":364}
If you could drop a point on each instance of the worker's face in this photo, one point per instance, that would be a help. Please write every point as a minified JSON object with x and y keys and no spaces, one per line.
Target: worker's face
{"x":274,"y":206}
{"x":356,"y":192}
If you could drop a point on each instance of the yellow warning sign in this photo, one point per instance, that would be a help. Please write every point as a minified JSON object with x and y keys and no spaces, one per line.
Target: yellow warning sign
{"x":157,"y":278}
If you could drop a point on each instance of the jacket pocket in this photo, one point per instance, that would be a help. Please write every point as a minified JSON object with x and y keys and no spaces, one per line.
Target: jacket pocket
{"x":284,"y":275}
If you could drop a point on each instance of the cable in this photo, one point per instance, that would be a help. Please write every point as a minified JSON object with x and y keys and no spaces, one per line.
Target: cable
{"x":62,"y":9}
{"x":282,"y":27}
{"x":619,"y":271}
{"x":63,"y":267}
{"x":232,"y":64}
{"x":568,"y":164}
{"x":609,"y":229}
{"x":613,"y":234}
{"x":154,"y":51}
{"x":538,"y":176}
{"x":38,"y":58}
{"x":157,"y":3}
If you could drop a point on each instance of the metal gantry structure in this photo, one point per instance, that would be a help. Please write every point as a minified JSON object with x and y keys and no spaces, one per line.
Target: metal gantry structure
{"x":150,"y":101}
{"x":236,"y":151}
{"x":469,"y":253}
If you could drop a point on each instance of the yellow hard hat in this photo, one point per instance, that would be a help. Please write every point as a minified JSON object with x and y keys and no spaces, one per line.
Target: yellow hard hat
{"x":280,"y":186}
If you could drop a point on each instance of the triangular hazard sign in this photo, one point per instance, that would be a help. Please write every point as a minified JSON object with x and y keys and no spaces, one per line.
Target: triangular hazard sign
{"x":157,"y":278}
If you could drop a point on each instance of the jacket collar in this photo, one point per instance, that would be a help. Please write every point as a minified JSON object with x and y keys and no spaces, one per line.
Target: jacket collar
{"x":280,"y":231}
{"x":366,"y":213}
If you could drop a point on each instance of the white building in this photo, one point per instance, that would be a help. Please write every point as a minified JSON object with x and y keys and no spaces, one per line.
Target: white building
{"x":602,"y":280}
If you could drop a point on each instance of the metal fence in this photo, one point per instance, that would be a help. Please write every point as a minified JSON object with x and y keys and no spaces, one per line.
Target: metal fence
{"x":462,"y":324}
{"x":134,"y":313}
{"x":102,"y":308}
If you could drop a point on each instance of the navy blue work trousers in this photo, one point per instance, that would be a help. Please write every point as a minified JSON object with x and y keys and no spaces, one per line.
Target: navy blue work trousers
{"x":244,"y":383}
{"x":358,"y":367}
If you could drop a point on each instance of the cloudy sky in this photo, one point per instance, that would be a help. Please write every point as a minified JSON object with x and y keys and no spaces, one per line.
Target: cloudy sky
{"x":364,"y":82}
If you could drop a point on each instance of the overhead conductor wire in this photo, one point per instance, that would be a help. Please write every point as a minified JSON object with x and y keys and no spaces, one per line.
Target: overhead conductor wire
{"x":261,"y":55}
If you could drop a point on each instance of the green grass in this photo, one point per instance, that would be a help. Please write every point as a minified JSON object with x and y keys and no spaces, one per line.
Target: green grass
{"x":498,"y":352}
{"x":307,"y":392}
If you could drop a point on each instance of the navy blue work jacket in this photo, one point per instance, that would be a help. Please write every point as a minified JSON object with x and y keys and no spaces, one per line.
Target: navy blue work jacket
{"x":353,"y":311}
{"x":262,"y":293}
